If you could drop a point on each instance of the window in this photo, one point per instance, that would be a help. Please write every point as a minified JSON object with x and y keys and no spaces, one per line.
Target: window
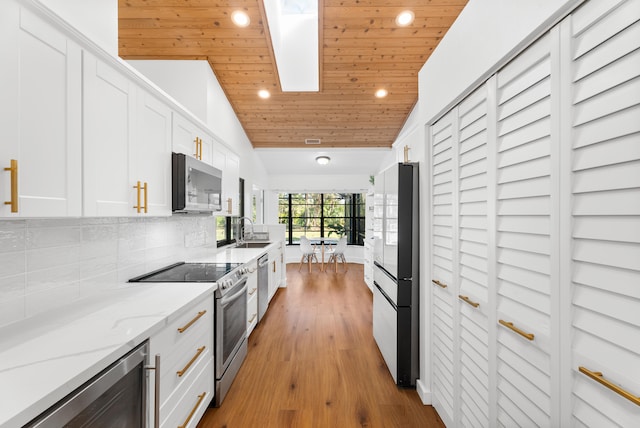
{"x":322,"y":214}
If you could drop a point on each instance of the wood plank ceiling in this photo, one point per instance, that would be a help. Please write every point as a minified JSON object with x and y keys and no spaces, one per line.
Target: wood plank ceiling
{"x":361,"y":50}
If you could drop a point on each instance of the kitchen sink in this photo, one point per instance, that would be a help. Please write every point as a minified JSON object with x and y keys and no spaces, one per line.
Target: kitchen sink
{"x":253,"y":244}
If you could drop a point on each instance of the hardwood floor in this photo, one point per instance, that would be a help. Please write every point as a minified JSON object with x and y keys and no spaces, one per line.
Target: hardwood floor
{"x":313,"y":362}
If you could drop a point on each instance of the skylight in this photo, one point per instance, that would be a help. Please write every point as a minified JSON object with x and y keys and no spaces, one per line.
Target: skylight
{"x":293,"y":25}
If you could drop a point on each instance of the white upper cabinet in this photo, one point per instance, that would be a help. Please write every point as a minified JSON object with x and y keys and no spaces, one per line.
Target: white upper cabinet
{"x":40,"y":129}
{"x":603,"y":173}
{"x":127,"y":146}
{"x":229,"y":163}
{"x":191,"y":140}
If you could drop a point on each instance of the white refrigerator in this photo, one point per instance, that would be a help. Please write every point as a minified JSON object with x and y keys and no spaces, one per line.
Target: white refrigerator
{"x":396,"y":271}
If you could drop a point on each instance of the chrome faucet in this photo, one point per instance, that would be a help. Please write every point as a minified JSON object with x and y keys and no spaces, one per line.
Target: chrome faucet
{"x":241,"y":235}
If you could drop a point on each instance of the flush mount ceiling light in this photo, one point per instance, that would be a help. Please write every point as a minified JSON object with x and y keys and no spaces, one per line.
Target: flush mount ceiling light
{"x":381,"y":93}
{"x":264,"y":94}
{"x":405,"y":18}
{"x":323,"y":160}
{"x":240,"y":18}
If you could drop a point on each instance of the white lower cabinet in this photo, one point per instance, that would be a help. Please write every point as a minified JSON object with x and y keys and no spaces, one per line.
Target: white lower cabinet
{"x":277,"y":269}
{"x":252,"y":296}
{"x":40,"y":122}
{"x":534,"y":246}
{"x":186,"y":373}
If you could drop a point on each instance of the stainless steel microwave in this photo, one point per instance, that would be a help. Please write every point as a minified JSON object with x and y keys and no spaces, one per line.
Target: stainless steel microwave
{"x":197,"y":186}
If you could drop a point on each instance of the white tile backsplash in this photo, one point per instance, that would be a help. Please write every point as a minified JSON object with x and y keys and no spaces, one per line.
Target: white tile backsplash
{"x":45,"y":263}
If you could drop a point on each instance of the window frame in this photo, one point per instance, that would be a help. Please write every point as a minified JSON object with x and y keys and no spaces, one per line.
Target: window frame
{"x":356,"y":223}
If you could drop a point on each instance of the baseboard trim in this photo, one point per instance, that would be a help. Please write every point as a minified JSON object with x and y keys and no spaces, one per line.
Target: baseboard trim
{"x":423,"y":392}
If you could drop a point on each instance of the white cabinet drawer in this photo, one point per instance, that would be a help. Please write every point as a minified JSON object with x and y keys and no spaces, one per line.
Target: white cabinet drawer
{"x":252,"y":312}
{"x":178,"y":366}
{"x":195,"y":320}
{"x":191,"y":405}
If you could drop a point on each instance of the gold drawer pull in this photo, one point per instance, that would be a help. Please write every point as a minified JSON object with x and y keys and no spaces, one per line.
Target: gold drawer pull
{"x":469,"y":301}
{"x":253,"y":290}
{"x":193,"y":411}
{"x":252,"y":318}
{"x":195,"y":357}
{"x":598,"y":377}
{"x":510,"y":325}
{"x":13,"y":169}
{"x":438,"y":283}
{"x":146,"y":205}
{"x":190,"y":323}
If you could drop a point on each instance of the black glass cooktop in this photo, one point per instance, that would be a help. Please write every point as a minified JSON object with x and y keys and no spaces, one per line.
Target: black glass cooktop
{"x":188,"y":272}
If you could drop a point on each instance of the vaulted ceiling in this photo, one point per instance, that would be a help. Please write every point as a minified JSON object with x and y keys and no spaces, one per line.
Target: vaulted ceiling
{"x":361,"y":50}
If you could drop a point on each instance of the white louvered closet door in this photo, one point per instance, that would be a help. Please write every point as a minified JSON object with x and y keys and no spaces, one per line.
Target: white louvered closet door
{"x":442,"y":267}
{"x":525,"y":277}
{"x":605,"y":211}
{"x":473,"y":237}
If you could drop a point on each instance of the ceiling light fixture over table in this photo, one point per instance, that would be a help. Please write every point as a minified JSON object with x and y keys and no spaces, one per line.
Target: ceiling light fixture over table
{"x":323,"y":160}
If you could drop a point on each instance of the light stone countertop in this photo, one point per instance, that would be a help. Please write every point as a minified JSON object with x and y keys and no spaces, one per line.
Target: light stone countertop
{"x":46,"y":357}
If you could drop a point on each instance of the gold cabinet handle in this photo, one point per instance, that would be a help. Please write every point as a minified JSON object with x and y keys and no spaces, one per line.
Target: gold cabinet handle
{"x":190,"y":323}
{"x":274,"y":266}
{"x":598,"y":377}
{"x":195,"y":357}
{"x":146,"y":205}
{"x":193,"y":411}
{"x":13,"y":169}
{"x":252,"y":318}
{"x":510,"y":325}
{"x":469,"y":301}
{"x":253,"y":290}
{"x":229,"y":205}
{"x":198,"y":153}
{"x":138,"y":187}
{"x":438,"y":283}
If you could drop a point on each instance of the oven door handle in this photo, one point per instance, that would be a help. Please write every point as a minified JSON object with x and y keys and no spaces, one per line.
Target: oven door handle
{"x":226,"y":300}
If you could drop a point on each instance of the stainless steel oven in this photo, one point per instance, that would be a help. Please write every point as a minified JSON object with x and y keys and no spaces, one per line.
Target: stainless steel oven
{"x":230,"y":332}
{"x":115,"y":398}
{"x":230,"y":325}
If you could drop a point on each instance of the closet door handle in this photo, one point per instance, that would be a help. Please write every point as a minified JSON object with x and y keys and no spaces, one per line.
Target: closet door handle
{"x":439,"y":284}
{"x":510,"y":326}
{"x":469,"y":301}
{"x":598,"y":377}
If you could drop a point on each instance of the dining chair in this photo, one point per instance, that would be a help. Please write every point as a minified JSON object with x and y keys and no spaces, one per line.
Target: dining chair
{"x":308,"y":252}
{"x":336,"y":254}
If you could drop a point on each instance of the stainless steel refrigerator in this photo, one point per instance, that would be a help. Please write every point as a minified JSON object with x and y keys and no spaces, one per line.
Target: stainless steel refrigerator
{"x":396,"y":271}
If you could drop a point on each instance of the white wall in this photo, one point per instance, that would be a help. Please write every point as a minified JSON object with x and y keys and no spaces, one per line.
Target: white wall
{"x":96,"y":19}
{"x":485,"y":34}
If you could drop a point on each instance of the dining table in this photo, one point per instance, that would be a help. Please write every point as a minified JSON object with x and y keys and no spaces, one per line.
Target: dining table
{"x":323,"y":241}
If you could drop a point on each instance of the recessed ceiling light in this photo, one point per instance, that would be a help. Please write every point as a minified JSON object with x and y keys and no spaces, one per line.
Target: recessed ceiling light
{"x":405,"y":18}
{"x":381,"y":93}
{"x":264,"y":94}
{"x":240,"y":18}
{"x":323,"y":160}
